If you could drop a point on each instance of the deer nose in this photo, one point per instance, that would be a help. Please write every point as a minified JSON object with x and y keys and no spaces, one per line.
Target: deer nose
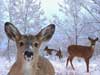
{"x":28,"y":53}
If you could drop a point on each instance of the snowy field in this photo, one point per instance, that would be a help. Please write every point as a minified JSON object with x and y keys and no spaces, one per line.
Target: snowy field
{"x":59,"y":65}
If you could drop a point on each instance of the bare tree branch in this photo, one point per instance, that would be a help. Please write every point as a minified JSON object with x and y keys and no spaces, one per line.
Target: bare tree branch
{"x":90,"y":13}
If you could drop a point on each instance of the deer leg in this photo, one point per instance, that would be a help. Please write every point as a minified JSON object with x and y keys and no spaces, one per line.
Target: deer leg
{"x":67,"y":62}
{"x":87,"y":64}
{"x":72,"y":63}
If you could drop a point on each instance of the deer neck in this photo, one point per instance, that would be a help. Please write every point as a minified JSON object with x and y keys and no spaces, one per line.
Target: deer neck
{"x":92,"y":47}
{"x":20,"y":59}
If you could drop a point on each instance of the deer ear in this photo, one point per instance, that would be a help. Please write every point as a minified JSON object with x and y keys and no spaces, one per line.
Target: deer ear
{"x":89,"y":38}
{"x":96,"y":39}
{"x":46,"y":47}
{"x":12,"y":31}
{"x":46,"y":33}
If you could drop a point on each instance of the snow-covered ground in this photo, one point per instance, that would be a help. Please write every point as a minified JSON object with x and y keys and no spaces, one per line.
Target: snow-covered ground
{"x":59,"y":65}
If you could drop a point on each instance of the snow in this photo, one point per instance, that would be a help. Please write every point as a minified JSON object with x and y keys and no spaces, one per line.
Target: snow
{"x":59,"y":65}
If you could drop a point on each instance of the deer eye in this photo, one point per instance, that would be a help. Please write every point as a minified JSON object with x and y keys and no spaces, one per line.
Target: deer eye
{"x":21,"y":44}
{"x":36,"y":44}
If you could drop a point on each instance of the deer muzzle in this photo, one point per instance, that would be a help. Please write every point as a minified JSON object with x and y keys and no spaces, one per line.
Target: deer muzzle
{"x":28,"y":55}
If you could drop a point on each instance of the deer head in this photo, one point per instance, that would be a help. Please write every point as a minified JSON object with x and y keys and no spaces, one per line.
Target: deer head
{"x":28,"y":45}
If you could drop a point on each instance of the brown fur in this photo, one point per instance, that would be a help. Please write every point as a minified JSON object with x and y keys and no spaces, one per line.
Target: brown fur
{"x":44,"y":67}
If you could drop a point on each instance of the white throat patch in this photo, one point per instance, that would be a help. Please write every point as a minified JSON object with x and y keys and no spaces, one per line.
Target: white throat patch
{"x":93,"y":46}
{"x":27,"y":68}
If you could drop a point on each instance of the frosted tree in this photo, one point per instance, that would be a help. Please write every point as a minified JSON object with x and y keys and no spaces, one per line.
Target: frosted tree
{"x":61,"y":34}
{"x":71,"y":9}
{"x":25,"y":13}
{"x":3,"y":17}
{"x":79,"y":18}
{"x":2,"y":20}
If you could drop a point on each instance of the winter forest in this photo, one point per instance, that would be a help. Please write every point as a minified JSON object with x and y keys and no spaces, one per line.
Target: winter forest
{"x":75,"y":21}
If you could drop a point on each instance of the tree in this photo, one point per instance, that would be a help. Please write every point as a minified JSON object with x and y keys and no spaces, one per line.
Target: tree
{"x":79,"y":17}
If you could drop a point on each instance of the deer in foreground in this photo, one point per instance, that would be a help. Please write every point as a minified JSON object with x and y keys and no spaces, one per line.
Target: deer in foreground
{"x":58,"y":52}
{"x":29,"y":61}
{"x":85,"y":52}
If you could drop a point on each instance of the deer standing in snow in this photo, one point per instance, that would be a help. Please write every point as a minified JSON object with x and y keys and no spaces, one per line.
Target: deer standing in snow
{"x":85,"y":52}
{"x":29,"y":61}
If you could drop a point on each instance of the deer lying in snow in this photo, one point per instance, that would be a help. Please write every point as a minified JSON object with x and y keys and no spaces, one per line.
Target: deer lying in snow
{"x":58,"y":52}
{"x":85,"y":52}
{"x":29,"y":61}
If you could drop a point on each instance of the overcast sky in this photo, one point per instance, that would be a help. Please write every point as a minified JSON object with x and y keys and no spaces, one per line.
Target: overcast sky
{"x":50,"y":7}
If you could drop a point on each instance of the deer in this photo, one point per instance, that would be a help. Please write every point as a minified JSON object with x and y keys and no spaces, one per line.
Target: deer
{"x":28,"y":59}
{"x":49,"y":51}
{"x":84,"y":52}
{"x":58,"y":52}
